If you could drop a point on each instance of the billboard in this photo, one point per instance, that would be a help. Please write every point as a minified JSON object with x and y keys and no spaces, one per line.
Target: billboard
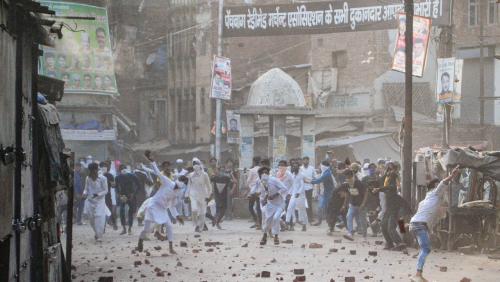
{"x":221,"y":78}
{"x":421,"y":34}
{"x":325,"y":17}
{"x":83,"y":57}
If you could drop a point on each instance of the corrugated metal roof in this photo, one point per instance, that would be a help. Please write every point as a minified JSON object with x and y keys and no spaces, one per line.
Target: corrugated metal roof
{"x":366,"y":146}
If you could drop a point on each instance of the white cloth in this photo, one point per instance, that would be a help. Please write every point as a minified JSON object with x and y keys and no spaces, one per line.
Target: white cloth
{"x":383,"y":206}
{"x":198,"y":212}
{"x":300,"y":203}
{"x":428,"y":208}
{"x":178,"y":173}
{"x":308,"y":173}
{"x":253,"y":177}
{"x":149,"y":225}
{"x":164,"y":200}
{"x":199,"y":186}
{"x":287,"y":180}
{"x":272,"y":209}
{"x":96,"y":206}
{"x":113,"y":196}
{"x":98,"y":224}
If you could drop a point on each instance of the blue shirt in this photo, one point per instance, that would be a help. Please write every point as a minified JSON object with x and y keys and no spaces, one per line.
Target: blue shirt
{"x":327,"y":179}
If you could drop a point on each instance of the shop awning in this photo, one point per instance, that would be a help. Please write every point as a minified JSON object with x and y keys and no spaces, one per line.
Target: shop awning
{"x":366,"y":146}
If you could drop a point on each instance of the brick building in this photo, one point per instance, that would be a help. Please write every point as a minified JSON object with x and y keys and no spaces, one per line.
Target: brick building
{"x":353,"y":90}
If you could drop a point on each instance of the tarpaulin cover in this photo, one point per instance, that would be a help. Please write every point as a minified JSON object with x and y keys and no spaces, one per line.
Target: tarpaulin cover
{"x":487,"y":163}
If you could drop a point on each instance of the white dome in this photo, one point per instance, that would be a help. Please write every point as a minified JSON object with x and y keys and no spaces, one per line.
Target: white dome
{"x":276,"y":88}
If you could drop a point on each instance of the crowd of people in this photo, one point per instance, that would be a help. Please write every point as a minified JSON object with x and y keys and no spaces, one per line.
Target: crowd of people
{"x":350,"y":195}
{"x":346,"y":192}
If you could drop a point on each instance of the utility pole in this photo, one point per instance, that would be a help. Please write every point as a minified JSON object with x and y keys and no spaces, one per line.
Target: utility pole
{"x":218,"y":101}
{"x":408,"y":122}
{"x":482,"y":15}
{"x":445,"y":51}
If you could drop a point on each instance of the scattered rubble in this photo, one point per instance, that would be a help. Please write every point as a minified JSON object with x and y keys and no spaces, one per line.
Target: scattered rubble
{"x":298,"y":271}
{"x":315,"y":246}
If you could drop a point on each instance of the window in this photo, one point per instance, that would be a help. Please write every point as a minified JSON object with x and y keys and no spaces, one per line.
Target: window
{"x":473,"y":12}
{"x":492,"y":11}
{"x":339,"y":59}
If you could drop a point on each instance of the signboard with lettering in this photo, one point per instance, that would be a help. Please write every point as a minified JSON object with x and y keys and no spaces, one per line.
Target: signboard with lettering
{"x":82,"y":59}
{"x":326,"y":17}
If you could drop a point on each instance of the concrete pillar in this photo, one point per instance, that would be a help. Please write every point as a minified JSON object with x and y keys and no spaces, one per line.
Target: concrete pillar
{"x":270,"y":138}
{"x":278,"y":139}
{"x":308,"y":140}
{"x":247,"y":140}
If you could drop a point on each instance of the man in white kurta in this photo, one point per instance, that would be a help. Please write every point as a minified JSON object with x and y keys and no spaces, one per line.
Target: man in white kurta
{"x":298,"y":199}
{"x":272,"y":198}
{"x":199,"y":191}
{"x":96,"y":188}
{"x":157,"y":207}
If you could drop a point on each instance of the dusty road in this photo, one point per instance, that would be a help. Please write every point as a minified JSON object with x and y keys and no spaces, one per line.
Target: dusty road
{"x":232,"y":261}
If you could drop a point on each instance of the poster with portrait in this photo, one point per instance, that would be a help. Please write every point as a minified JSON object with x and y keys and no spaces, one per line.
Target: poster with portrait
{"x":449,"y":81}
{"x":234,"y":127}
{"x":83,"y":57}
{"x":445,"y":79}
{"x":221,"y":78}
{"x":421,"y":33}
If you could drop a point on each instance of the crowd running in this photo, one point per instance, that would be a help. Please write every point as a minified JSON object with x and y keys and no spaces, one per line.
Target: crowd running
{"x":360,"y":199}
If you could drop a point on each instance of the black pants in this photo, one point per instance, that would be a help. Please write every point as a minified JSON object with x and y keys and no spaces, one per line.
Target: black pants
{"x":252,"y":201}
{"x":78,"y":209}
{"x":332,"y":214}
{"x":309,"y":198}
{"x":220,"y":203}
{"x":109,"y":204}
{"x":390,"y":222}
{"x":131,"y":212}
